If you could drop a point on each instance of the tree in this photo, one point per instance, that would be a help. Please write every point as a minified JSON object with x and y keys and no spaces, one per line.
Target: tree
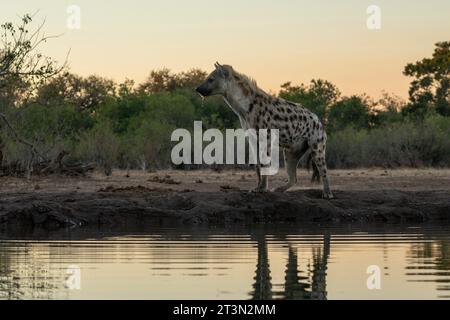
{"x":19,"y":58}
{"x":158,"y":81}
{"x":318,"y":96}
{"x":83,"y":93}
{"x":165,"y":81}
{"x":390,"y":109}
{"x":431,"y":84}
{"x":126,"y":88}
{"x":190,"y":79}
{"x":61,"y":90}
{"x":22,"y":65}
{"x":353,"y":111}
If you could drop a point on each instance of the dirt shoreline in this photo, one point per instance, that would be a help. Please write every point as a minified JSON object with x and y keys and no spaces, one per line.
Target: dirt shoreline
{"x":221,"y":199}
{"x":53,"y":210}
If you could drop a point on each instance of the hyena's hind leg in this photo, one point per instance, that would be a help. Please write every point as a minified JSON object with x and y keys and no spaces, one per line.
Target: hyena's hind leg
{"x":316,"y":175}
{"x":318,"y":156}
{"x":291,"y":159}
{"x":311,"y":164}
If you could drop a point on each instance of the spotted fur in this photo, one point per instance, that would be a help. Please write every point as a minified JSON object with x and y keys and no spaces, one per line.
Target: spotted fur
{"x":300,"y":130}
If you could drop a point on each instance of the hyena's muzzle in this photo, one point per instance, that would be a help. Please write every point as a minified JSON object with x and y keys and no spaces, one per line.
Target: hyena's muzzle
{"x":204,"y":90}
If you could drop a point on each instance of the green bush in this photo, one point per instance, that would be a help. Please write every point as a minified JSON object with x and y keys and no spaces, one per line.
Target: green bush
{"x":147,"y":145}
{"x":101,"y":145}
{"x":121,"y":126}
{"x":408,"y":144}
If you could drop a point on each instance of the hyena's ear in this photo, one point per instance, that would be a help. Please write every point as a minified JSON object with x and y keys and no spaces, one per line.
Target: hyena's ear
{"x":222,"y":69}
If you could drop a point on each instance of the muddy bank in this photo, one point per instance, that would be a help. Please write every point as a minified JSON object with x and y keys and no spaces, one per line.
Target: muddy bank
{"x":125,"y":207}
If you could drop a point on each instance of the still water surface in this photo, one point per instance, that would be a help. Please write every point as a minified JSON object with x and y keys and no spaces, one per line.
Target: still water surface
{"x":260,"y":263}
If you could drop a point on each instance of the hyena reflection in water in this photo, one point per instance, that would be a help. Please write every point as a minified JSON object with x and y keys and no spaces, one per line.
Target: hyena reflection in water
{"x":300,"y":130}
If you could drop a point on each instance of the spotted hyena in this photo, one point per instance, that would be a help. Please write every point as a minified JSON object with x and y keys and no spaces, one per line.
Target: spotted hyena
{"x":300,"y":130}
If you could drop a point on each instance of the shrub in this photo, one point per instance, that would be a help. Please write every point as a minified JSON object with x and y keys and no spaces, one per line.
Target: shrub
{"x":408,"y":144}
{"x":101,"y":145}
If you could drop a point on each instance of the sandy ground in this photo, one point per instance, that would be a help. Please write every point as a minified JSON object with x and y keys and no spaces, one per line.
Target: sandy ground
{"x":221,"y":199}
{"x":212,"y":181}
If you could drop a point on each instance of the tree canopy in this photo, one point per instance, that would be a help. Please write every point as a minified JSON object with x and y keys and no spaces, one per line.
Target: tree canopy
{"x":431,"y":83}
{"x":129,"y":125}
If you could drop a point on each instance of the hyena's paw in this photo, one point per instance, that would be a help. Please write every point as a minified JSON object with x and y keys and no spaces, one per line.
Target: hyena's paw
{"x":281,"y":189}
{"x":258,"y":189}
{"x":328,"y":195}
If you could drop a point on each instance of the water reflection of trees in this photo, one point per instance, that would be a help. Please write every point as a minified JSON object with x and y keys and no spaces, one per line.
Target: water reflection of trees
{"x":296,"y":287}
{"x":431,"y":258}
{"x":24,"y":275}
{"x":24,"y":268}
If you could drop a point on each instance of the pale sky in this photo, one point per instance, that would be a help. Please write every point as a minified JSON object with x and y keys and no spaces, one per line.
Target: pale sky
{"x":273,"y":41}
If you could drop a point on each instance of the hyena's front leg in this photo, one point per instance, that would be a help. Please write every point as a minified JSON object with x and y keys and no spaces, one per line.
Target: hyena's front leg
{"x":318,"y":156}
{"x":263,"y":182}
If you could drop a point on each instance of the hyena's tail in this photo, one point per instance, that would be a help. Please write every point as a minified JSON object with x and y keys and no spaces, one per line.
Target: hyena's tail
{"x":310,"y":164}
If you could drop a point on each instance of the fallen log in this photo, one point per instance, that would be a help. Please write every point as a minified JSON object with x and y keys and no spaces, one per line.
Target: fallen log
{"x":43,"y":168}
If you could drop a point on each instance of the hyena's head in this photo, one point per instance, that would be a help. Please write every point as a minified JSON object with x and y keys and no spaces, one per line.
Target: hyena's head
{"x":217,"y":82}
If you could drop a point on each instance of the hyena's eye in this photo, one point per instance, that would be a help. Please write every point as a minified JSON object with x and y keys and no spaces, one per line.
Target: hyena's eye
{"x":210,"y":80}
